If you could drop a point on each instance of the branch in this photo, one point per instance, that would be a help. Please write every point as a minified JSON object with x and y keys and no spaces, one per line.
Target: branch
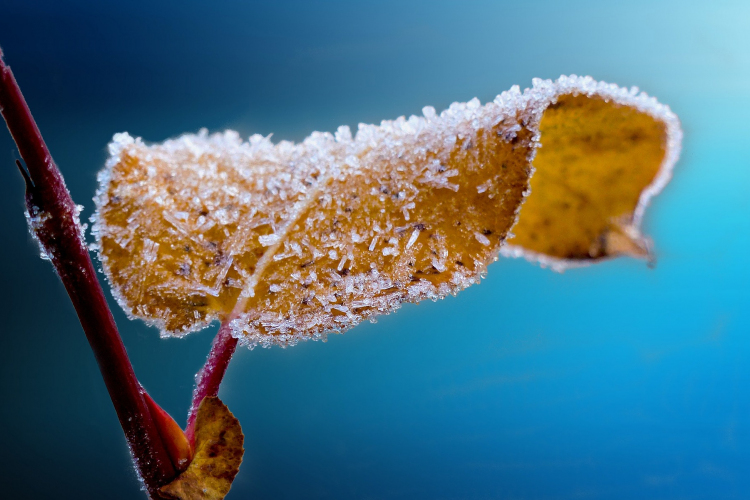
{"x":54,"y":221}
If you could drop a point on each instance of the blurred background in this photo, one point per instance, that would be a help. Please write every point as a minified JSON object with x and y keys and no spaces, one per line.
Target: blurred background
{"x":613,"y":381}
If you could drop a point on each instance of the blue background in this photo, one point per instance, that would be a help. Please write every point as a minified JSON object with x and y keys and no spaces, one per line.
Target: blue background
{"x":614,"y":381}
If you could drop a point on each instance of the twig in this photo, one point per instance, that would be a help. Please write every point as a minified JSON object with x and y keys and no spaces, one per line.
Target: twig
{"x":54,"y":221}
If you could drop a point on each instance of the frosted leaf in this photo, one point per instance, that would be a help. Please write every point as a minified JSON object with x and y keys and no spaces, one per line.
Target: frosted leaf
{"x":606,"y":152}
{"x":290,"y":241}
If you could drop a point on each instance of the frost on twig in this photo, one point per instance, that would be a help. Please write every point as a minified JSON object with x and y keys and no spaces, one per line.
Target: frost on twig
{"x":54,"y":222}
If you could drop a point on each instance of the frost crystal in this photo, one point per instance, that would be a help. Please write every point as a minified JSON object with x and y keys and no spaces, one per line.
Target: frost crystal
{"x":36,"y":220}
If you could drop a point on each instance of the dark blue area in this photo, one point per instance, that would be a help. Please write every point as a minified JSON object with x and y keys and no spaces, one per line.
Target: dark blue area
{"x":615,"y":381}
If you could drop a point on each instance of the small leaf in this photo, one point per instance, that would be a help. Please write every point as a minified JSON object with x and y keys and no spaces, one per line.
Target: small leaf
{"x":218,"y":454}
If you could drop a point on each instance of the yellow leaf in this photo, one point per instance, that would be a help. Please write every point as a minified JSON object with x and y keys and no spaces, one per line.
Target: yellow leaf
{"x":604,"y":153}
{"x":290,"y":241}
{"x":218,"y":454}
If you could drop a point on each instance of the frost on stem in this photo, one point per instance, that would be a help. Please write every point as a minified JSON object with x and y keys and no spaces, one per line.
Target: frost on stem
{"x":290,"y":241}
{"x":36,"y":218}
{"x":54,"y":222}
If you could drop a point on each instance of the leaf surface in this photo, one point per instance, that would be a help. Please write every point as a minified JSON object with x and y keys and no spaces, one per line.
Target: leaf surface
{"x":604,"y":153}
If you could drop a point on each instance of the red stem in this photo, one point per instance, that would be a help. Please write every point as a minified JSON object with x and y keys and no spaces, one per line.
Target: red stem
{"x":55,"y":222}
{"x":207,"y":380}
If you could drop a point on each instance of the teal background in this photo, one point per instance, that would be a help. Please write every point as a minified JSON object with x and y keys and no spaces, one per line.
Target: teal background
{"x":615,"y":381}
